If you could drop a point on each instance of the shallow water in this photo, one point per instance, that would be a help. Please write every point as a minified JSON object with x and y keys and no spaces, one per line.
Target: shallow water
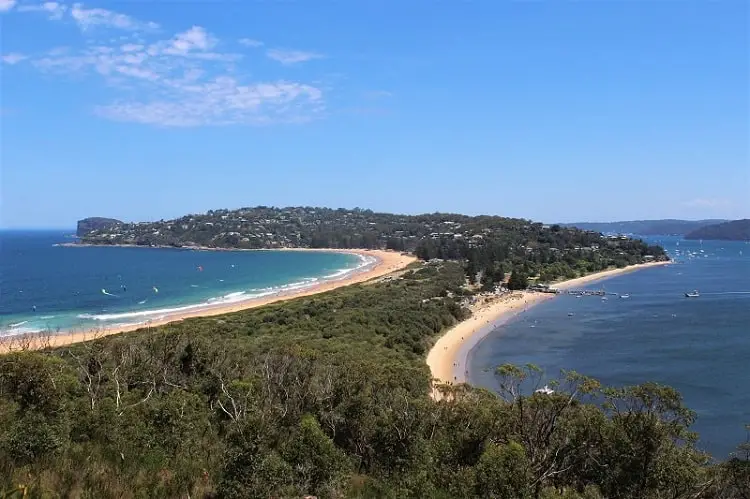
{"x":701,"y":346}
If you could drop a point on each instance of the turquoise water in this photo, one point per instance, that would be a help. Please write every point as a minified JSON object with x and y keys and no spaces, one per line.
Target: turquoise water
{"x":48,"y":287}
{"x":700,"y":346}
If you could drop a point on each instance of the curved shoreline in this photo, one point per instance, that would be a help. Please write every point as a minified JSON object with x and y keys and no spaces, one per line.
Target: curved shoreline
{"x":448,"y":358}
{"x":385,"y":263}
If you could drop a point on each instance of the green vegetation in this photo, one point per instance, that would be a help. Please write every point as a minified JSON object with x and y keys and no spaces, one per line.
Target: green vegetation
{"x":329,"y":395}
{"x":88,"y":225}
{"x":491,"y":246}
{"x":668,"y":227}
{"x":738,"y":230}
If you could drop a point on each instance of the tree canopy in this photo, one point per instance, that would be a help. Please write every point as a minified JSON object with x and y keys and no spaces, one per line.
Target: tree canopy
{"x":329,"y":395}
{"x":490,"y":246}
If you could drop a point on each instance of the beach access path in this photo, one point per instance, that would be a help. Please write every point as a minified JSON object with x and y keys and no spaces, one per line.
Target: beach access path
{"x":448,"y":357}
{"x":386,"y":262}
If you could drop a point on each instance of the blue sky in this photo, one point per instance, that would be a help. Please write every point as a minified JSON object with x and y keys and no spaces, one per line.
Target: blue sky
{"x":554,"y":111}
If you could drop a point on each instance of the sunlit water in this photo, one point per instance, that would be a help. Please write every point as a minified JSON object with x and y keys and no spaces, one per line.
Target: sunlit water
{"x":47,"y":287}
{"x":701,"y":346}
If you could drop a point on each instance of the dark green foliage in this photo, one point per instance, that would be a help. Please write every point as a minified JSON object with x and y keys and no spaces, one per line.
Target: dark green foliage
{"x":503,"y":472}
{"x":518,"y":280}
{"x":328,"y":395}
{"x":737,"y":230}
{"x":487,"y":244}
{"x":94,"y":223}
{"x":668,"y":227}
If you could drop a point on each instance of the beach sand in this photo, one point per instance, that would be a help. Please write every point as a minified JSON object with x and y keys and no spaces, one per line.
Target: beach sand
{"x":387,"y":262}
{"x":447,"y":358}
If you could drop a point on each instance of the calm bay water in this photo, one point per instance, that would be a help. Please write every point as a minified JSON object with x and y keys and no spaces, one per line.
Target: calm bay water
{"x":700,"y":346}
{"x":47,"y":287}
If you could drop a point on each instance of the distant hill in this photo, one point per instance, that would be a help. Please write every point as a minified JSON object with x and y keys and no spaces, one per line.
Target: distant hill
{"x":666,"y":227}
{"x":737,"y":230}
{"x":87,"y":225}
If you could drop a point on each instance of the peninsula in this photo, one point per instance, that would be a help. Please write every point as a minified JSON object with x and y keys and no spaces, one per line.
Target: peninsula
{"x":492,"y":248}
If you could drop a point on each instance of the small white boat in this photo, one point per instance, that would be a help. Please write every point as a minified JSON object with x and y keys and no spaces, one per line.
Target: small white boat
{"x":625,"y":296}
{"x":693,"y":294}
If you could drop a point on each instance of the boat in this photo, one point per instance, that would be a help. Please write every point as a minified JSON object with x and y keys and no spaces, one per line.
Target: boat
{"x":546,"y":390}
{"x":625,"y":296}
{"x":693,"y":294}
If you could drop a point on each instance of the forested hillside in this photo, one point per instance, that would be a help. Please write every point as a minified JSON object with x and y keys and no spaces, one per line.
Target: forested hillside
{"x":667,"y":227}
{"x":492,"y":247}
{"x":737,"y":230}
{"x":329,"y":395}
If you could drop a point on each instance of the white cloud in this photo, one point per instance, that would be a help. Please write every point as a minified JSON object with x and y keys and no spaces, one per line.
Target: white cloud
{"x":195,"y":39}
{"x":54,"y":9}
{"x":289,"y":57}
{"x":88,"y":18}
{"x":184,"y":81}
{"x":249,"y":42}
{"x":13,"y":58}
{"x":131,"y":47}
{"x":224,"y":101}
{"x":6,"y":5}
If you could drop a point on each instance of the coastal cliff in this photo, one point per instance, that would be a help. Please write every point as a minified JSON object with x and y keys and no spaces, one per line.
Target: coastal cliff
{"x":87,"y":225}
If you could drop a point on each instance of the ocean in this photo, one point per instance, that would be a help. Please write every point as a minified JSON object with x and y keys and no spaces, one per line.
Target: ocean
{"x":44,"y":287}
{"x":700,"y":346}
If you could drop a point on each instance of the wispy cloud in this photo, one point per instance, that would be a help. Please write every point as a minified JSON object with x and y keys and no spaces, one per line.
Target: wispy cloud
{"x":183,"y":80}
{"x":707,"y":203}
{"x":88,"y":18}
{"x":6,"y":5}
{"x":249,"y":42}
{"x":289,"y":57}
{"x":13,"y":58}
{"x":377,"y":94}
{"x":55,"y":10}
{"x":196,"y":39}
{"x":224,"y":101}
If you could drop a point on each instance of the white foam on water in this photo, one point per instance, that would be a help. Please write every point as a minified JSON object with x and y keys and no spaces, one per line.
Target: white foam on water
{"x":159,"y":313}
{"x":144,"y":316}
{"x":339,"y":273}
{"x":19,"y":331}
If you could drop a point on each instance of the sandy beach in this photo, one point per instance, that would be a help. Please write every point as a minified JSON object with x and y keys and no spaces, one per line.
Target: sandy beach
{"x":386,"y":262}
{"x":447,"y":358}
